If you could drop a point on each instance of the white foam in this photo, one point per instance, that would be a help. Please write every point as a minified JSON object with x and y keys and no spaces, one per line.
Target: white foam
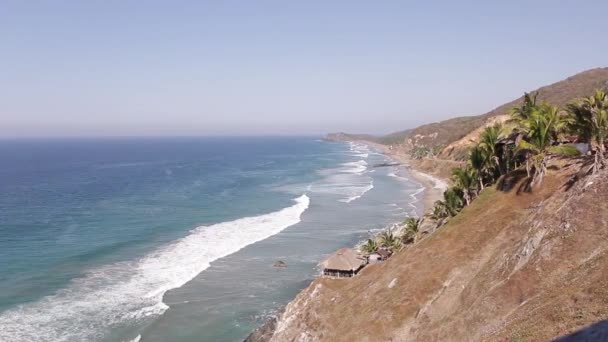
{"x":417,"y":192}
{"x":136,"y":339}
{"x":438,"y":183}
{"x":358,"y":167}
{"x":395,"y":175}
{"x":349,"y":181}
{"x":362,"y":191}
{"x":130,"y":291}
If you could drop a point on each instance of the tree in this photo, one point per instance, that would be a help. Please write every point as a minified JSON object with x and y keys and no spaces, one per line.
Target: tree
{"x":588,"y":119}
{"x":465,"y":180}
{"x":528,"y":105}
{"x":489,"y":139}
{"x":371,"y":246}
{"x":478,"y":161}
{"x":542,"y":125}
{"x":449,"y":206}
{"x":389,"y":240}
{"x":412,"y":225}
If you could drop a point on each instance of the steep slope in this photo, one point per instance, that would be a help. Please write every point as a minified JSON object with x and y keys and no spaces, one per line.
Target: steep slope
{"x":455,"y":134}
{"x":513,"y":266}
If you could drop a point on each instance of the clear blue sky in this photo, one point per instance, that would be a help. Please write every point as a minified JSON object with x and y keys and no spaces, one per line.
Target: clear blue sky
{"x":279,"y":67}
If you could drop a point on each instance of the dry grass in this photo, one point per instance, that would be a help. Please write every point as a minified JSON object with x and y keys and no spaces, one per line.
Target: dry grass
{"x":513,"y":266}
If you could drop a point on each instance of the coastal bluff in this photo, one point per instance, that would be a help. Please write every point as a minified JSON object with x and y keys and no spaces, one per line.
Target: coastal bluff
{"x":511,"y":267}
{"x":517,"y":264}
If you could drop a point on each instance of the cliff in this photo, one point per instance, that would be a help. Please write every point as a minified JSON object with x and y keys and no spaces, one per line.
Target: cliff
{"x":513,"y":266}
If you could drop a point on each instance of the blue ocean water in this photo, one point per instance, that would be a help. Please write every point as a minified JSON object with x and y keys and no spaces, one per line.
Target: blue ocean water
{"x":174,"y":238}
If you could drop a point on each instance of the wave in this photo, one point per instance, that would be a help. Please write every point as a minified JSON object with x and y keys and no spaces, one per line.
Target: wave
{"x":125,"y":292}
{"x":437,"y":183}
{"x":358,"y":167}
{"x":395,"y":175}
{"x":362,"y":191}
{"x":417,"y":192}
{"x":349,"y":181}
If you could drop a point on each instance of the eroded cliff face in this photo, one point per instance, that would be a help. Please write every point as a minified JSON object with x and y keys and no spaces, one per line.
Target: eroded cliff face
{"x":513,"y":266}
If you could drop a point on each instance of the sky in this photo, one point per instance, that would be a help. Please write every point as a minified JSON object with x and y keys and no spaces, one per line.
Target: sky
{"x":103,"y":68}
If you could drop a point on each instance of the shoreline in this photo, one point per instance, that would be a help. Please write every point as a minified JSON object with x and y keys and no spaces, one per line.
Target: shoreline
{"x":433,"y":185}
{"x":433,"y":188}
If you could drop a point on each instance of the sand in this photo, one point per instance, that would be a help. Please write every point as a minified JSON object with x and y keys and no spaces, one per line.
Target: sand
{"x":433,"y":185}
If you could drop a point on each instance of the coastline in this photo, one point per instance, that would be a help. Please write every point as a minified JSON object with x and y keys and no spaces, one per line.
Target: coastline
{"x":433,"y":188}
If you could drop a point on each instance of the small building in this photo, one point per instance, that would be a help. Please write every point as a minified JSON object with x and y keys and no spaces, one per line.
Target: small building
{"x":379,"y":255}
{"x":345,"y":262}
{"x":384,"y":253}
{"x":374,"y":257}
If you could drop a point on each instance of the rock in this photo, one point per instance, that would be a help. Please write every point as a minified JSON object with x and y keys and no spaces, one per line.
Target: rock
{"x":265,"y":332}
{"x":279,"y":263}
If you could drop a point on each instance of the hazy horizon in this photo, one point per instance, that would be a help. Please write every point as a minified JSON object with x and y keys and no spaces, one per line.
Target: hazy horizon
{"x":274,"y":68}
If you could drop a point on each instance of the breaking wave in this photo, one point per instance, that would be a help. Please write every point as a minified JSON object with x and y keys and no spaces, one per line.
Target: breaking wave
{"x":124,"y":292}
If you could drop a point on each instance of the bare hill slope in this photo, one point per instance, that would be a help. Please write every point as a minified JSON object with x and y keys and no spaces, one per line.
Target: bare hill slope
{"x":512,"y":266}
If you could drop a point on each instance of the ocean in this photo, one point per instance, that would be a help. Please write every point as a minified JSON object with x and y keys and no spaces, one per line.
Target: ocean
{"x":174,"y":239}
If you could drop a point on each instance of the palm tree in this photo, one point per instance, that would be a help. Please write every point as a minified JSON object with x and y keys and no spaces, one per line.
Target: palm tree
{"x":449,"y":206}
{"x":522,"y":114}
{"x":370,"y":247}
{"x":489,"y":139}
{"x":478,"y":160}
{"x":543,"y":124}
{"x":389,"y":240}
{"x":465,"y":180}
{"x":412,"y":225}
{"x":589,"y":120}
{"x":528,"y":105}
{"x":439,"y":211}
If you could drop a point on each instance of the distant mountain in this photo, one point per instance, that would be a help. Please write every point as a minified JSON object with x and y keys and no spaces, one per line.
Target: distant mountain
{"x":390,"y":139}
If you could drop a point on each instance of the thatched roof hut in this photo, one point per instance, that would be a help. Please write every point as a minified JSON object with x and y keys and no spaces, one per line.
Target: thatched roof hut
{"x":345,"y":262}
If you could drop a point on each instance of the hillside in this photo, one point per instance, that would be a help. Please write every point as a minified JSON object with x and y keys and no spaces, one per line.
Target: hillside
{"x":448,"y":132}
{"x":455,"y":134}
{"x":528,"y":267}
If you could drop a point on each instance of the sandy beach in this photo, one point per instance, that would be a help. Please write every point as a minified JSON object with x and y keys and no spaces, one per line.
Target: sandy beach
{"x":434,"y":186}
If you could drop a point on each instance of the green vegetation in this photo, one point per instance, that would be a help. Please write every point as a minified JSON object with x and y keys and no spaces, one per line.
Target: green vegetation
{"x":541,"y":129}
{"x":371,"y":246}
{"x":389,"y":240}
{"x":451,"y":204}
{"x":410,"y":232}
{"x":488,"y":141}
{"x":478,"y":160}
{"x":588,"y":118}
{"x":535,"y":132}
{"x":465,"y":180}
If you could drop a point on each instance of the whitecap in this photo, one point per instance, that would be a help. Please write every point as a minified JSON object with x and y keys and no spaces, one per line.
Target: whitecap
{"x":437,"y":183}
{"x":358,"y":167}
{"x":125,"y":292}
{"x":362,"y":191}
{"x":394,"y":174}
